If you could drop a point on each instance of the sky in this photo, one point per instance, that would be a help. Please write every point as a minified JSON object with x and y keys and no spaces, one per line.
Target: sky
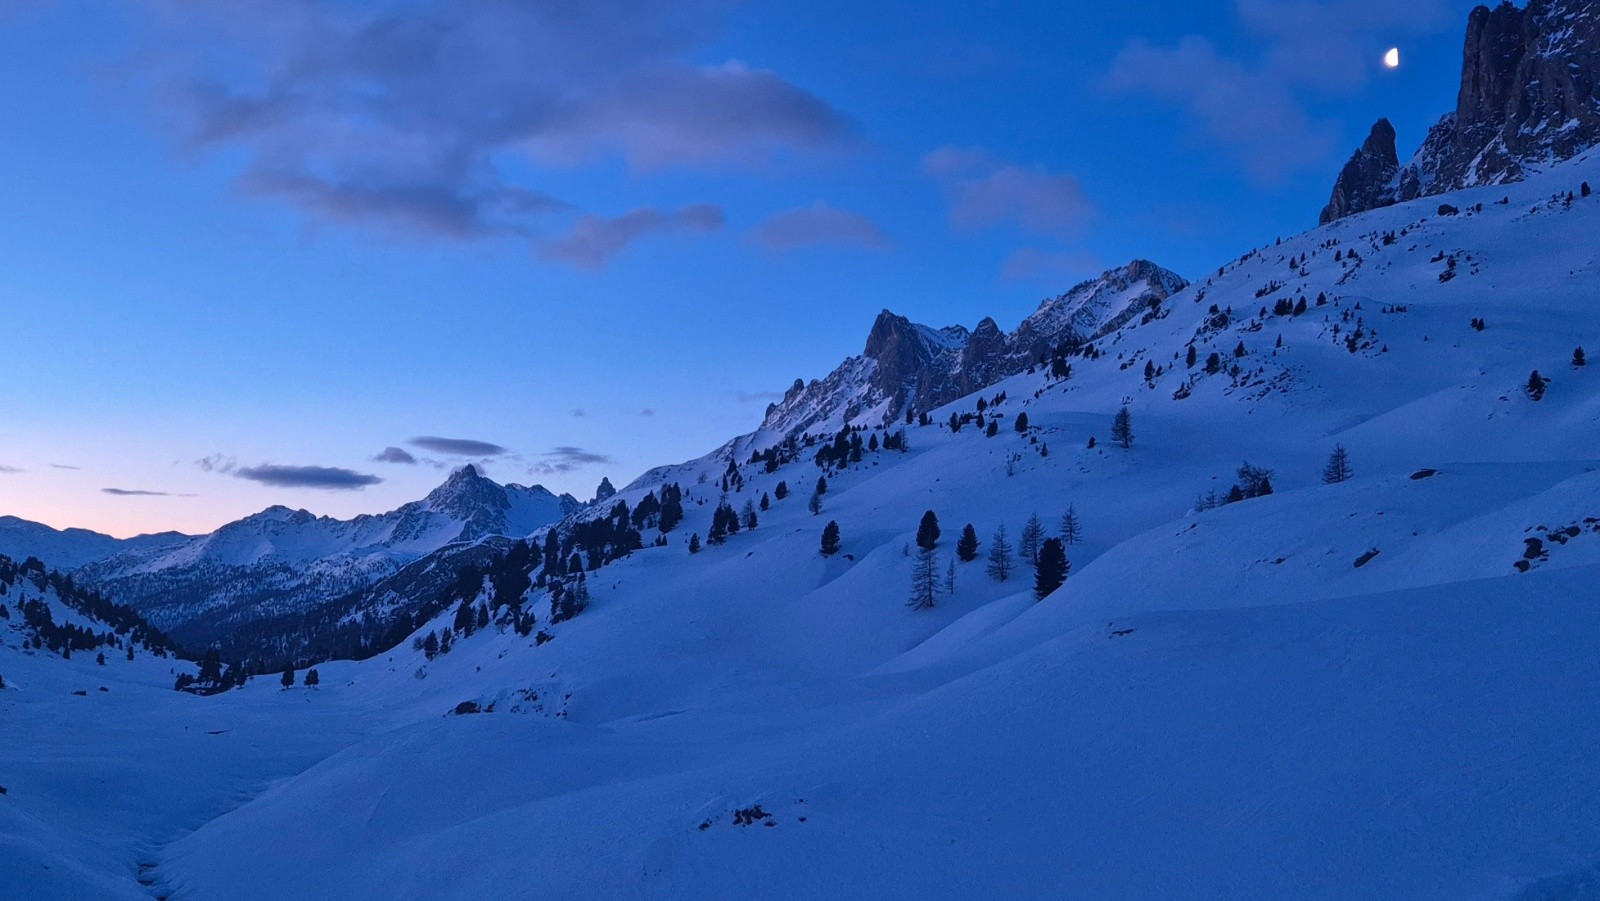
{"x":321,"y":252}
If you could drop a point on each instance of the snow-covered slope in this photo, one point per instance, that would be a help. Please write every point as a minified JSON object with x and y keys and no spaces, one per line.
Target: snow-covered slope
{"x":280,"y":561}
{"x":1380,"y":688}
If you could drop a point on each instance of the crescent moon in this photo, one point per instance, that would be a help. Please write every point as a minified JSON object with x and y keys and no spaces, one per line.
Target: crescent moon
{"x":1392,"y":58}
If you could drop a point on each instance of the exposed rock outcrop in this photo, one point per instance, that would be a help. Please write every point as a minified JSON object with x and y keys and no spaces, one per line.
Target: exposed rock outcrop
{"x":1529,"y":98}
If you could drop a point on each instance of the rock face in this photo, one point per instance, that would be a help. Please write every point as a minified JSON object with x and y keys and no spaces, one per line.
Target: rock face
{"x":1529,"y":98}
{"x":907,"y":366}
{"x":1367,"y":181}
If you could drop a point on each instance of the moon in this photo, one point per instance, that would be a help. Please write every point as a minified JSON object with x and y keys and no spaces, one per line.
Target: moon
{"x":1392,"y":58}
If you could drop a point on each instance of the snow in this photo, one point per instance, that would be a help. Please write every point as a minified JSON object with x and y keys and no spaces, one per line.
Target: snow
{"x":1215,"y":704}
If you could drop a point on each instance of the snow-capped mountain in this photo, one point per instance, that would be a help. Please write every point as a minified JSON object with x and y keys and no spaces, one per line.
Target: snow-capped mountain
{"x":909,"y":366}
{"x":1529,"y":98}
{"x":68,"y":549}
{"x":280,"y":561}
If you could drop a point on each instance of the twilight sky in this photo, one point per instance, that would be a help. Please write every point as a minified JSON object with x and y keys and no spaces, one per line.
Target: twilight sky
{"x":317,"y":252}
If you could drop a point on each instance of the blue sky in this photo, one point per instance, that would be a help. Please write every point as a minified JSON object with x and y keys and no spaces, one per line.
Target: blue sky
{"x":598,"y":237}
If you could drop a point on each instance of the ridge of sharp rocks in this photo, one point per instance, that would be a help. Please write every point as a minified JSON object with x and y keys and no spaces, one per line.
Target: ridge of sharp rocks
{"x":282,"y":561}
{"x":1529,"y":98}
{"x":909,"y":366}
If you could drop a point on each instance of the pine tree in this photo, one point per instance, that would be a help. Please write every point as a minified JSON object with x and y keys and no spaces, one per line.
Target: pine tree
{"x":100,"y":658}
{"x":924,"y":578}
{"x":288,"y":677}
{"x":1022,"y":422}
{"x":1000,"y":563}
{"x":1032,"y":537}
{"x":694,"y":543}
{"x":430,"y":646}
{"x":814,"y":504}
{"x":312,"y":679}
{"x":822,"y":485}
{"x":749,"y":514}
{"x":781,"y":491}
{"x":1577,"y":357}
{"x":830,"y":539}
{"x":928,"y":531}
{"x":1052,"y":568}
{"x":967,"y":544}
{"x":1071,"y":526}
{"x":766,"y":502}
{"x":1338,"y":468}
{"x":1189,"y":358}
{"x":1122,"y":427}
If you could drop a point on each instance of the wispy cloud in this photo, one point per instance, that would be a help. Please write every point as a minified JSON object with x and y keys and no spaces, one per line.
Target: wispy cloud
{"x":136,"y":492}
{"x":818,"y":225}
{"x":7,"y":470}
{"x":405,"y":116}
{"x":64,"y":466}
{"x":985,"y":192}
{"x":459,"y":447}
{"x":395,"y":455}
{"x":567,"y":458}
{"x":329,"y":478}
{"x":594,"y":240}
{"x":217,"y":463}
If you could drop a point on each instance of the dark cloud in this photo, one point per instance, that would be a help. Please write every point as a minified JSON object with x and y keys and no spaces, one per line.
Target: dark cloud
{"x":985,"y":192}
{"x":459,"y":447}
{"x":217,"y":463}
{"x":135,"y":492}
{"x":594,"y":240}
{"x":815,"y":226}
{"x":404,"y":116}
{"x":1255,"y":109}
{"x":64,"y":466}
{"x":395,"y":455}
{"x":325,"y":477}
{"x":4,"y":469}
{"x":567,"y":458}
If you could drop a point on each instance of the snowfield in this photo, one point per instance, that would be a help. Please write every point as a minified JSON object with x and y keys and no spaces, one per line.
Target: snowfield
{"x":1240,"y":702}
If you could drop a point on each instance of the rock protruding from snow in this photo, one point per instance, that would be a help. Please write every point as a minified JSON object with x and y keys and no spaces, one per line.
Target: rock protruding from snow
{"x":908,"y":366}
{"x":1368,"y":180}
{"x":1529,"y":98}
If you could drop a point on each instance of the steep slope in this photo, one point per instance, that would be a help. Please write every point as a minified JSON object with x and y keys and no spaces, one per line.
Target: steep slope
{"x":281,"y":561}
{"x":911,"y":367}
{"x":1376,"y":688}
{"x":1529,"y":98}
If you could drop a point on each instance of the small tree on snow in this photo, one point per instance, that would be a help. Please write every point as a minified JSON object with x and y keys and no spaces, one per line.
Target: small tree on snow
{"x":967,"y":544}
{"x":1000,"y":563}
{"x":830,"y":539}
{"x":1338,"y":468}
{"x":1071,"y":526}
{"x":924,"y":578}
{"x":1052,"y":569}
{"x":815,"y":504}
{"x":1032,"y":537}
{"x":312,"y":679}
{"x":288,"y":677}
{"x":1122,"y":427}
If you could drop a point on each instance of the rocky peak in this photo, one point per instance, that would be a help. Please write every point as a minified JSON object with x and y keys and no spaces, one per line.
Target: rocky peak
{"x":465,"y":493}
{"x":1529,"y":97}
{"x":1368,"y":179}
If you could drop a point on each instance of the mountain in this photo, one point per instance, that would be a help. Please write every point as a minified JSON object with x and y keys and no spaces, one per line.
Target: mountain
{"x":68,"y":549}
{"x":282,"y":561}
{"x":911,"y":367}
{"x":1529,"y":98}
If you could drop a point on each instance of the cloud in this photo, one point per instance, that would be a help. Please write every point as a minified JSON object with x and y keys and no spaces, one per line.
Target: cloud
{"x":449,"y":120}
{"x":217,"y":463}
{"x":746,"y":397}
{"x":329,"y":478}
{"x":985,"y":192}
{"x":579,"y":413}
{"x":460,"y":447}
{"x":395,"y":455}
{"x":594,"y":240}
{"x":1037,"y":264}
{"x":135,"y":492}
{"x":1255,"y":110}
{"x":64,"y":466}
{"x":567,"y":458}
{"x":647,"y":412}
{"x":816,"y":226}
{"x":7,"y":470}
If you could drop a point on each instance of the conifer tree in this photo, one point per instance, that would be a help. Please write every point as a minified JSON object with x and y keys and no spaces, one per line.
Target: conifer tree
{"x":1122,"y":427}
{"x":830,"y":539}
{"x":288,"y":677}
{"x":1022,"y":422}
{"x":1071,"y":526}
{"x":312,"y":679}
{"x":924,"y":578}
{"x":1338,"y":468}
{"x":1052,"y":568}
{"x":967,"y":544}
{"x":1578,"y":357}
{"x":1032,"y":537}
{"x":928,"y":531}
{"x":694,"y":543}
{"x":782,"y":491}
{"x":814,"y":504}
{"x":1000,"y":563}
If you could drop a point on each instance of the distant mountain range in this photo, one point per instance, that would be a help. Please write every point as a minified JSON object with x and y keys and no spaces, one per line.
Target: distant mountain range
{"x":280,"y":561}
